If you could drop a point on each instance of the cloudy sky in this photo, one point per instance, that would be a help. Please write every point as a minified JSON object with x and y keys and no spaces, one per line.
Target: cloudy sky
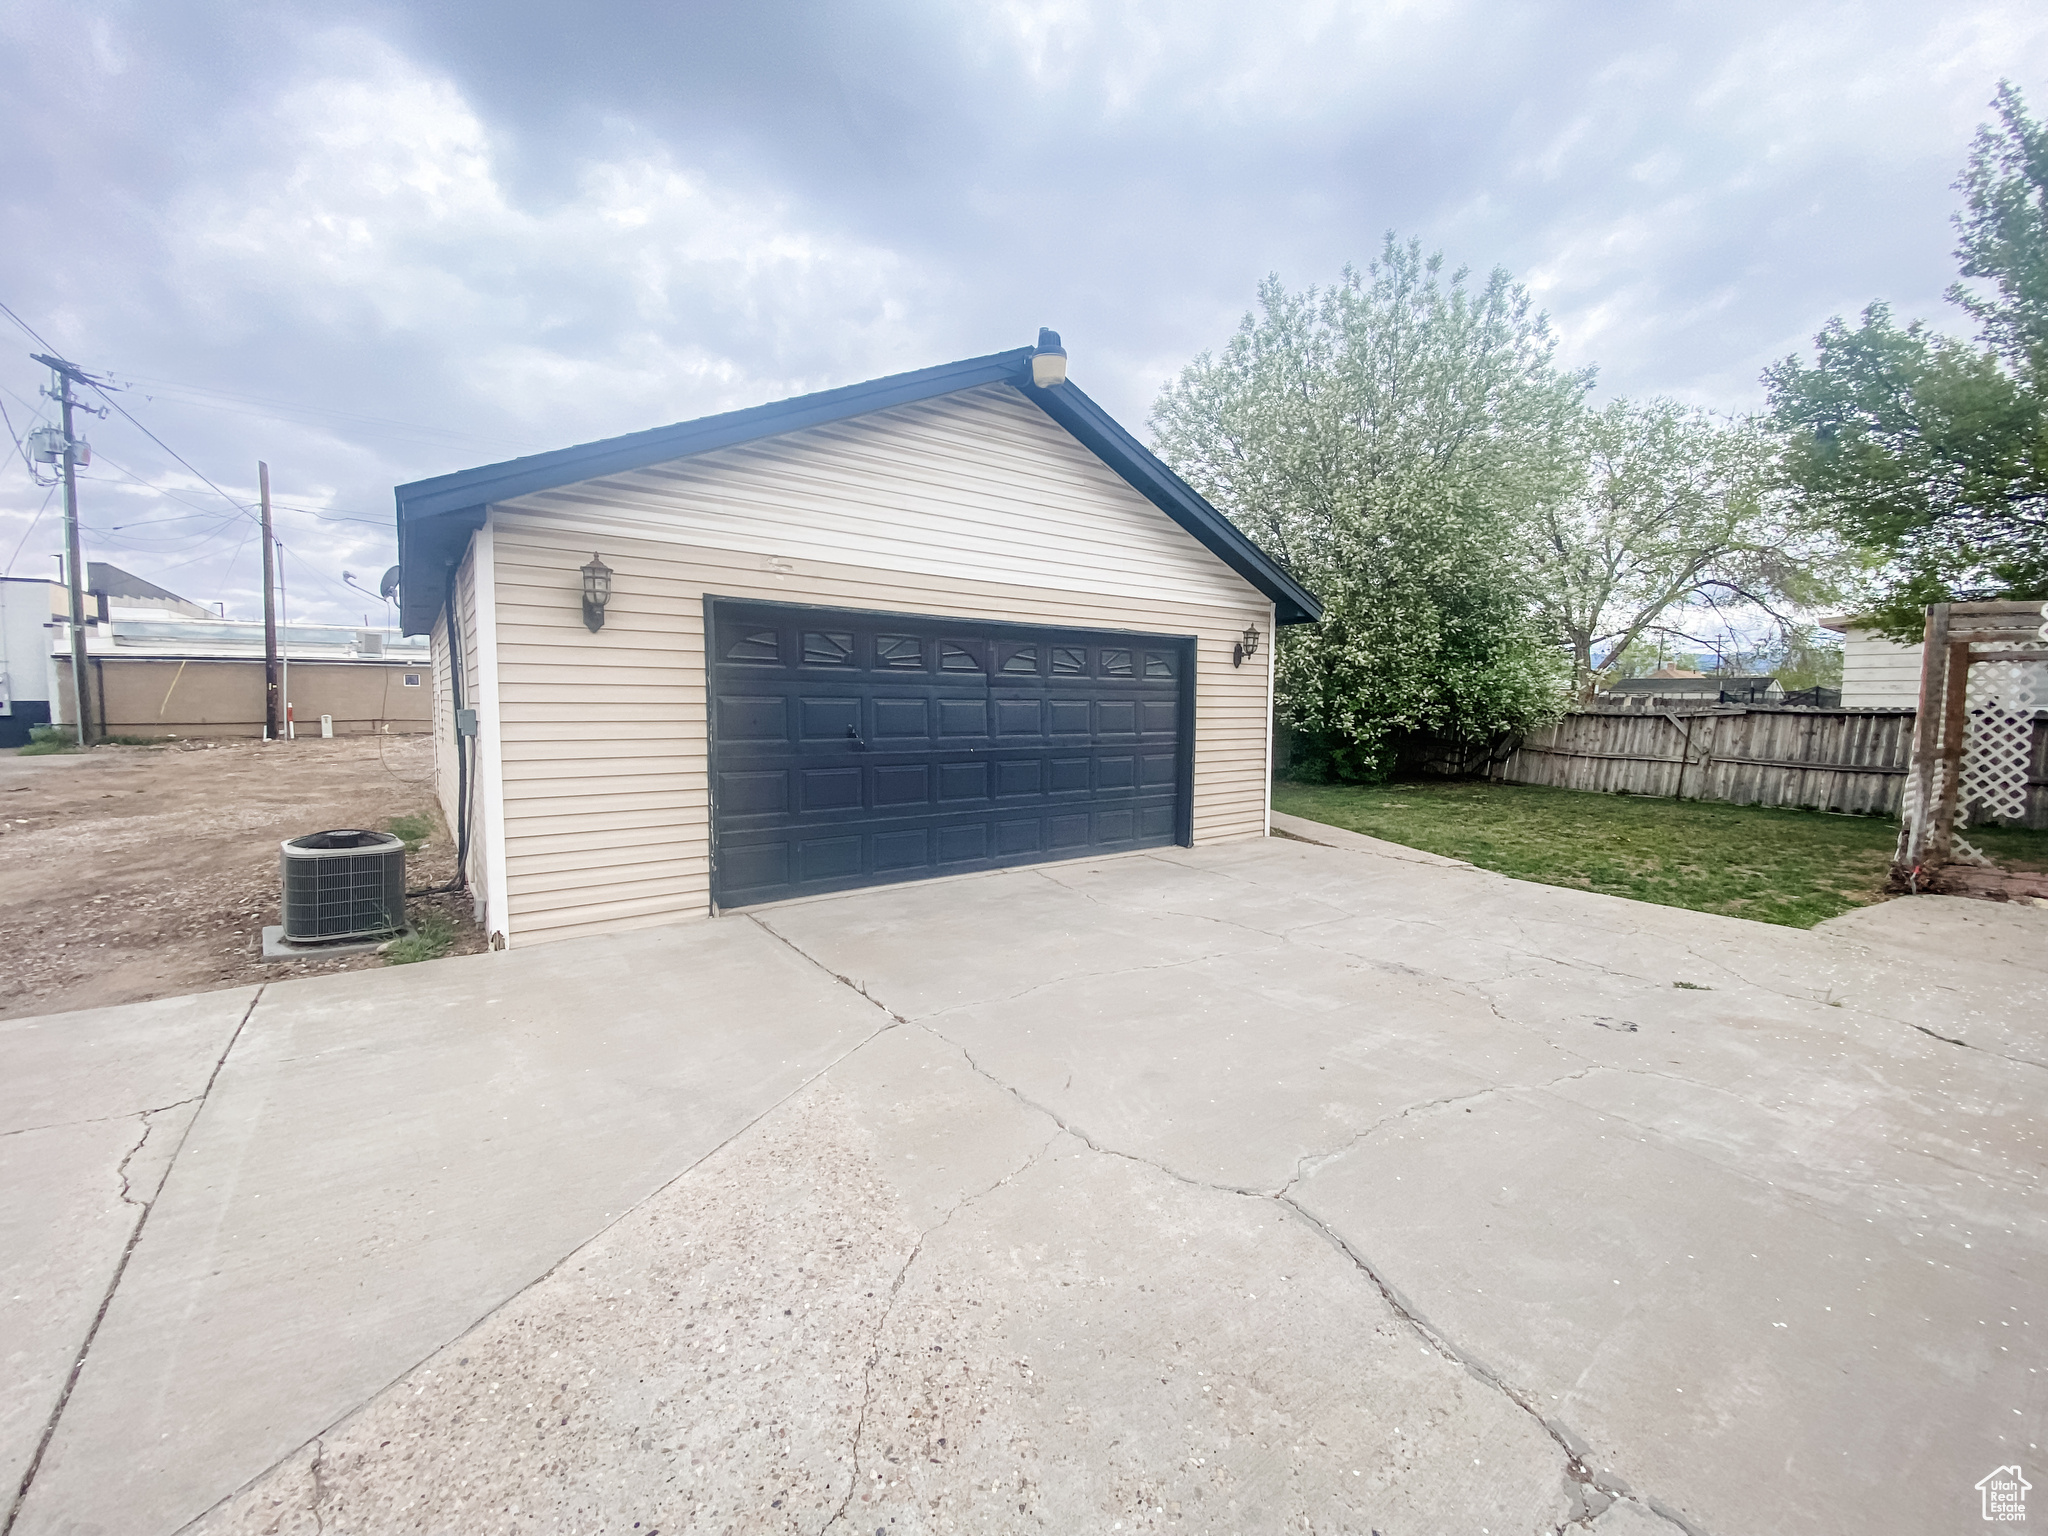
{"x":372,"y":243}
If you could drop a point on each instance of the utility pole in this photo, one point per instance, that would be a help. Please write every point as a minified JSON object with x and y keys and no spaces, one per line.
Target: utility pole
{"x":74,"y":562}
{"x":273,"y":692}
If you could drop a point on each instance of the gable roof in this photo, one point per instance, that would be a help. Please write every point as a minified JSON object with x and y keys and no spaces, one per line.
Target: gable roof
{"x":436,"y":517}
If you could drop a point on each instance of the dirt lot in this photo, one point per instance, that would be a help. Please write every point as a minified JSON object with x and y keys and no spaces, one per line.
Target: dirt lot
{"x":139,"y":872}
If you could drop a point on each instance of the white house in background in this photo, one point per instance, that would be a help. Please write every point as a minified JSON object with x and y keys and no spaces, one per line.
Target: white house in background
{"x":1876,"y":673}
{"x":946,"y":621}
{"x":1882,"y":674}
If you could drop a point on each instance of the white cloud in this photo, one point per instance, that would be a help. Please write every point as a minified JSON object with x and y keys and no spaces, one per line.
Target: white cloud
{"x":382,"y":206}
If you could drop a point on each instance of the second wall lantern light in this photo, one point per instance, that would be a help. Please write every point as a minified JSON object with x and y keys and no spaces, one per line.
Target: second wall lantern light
{"x":597,"y":591}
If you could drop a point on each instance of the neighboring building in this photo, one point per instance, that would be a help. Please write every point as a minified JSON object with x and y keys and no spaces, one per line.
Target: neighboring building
{"x":941,"y":622}
{"x":1705,"y":687}
{"x":174,"y":674}
{"x":112,"y":593}
{"x":27,"y":607}
{"x":1876,"y":673}
{"x":1881,"y":674}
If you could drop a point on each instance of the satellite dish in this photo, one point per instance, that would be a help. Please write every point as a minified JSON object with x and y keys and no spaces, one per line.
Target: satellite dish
{"x":389,"y":585}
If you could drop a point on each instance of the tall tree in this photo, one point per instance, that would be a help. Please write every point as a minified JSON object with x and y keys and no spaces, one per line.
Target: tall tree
{"x":1382,"y":438}
{"x":1671,"y":516}
{"x":1931,"y":453}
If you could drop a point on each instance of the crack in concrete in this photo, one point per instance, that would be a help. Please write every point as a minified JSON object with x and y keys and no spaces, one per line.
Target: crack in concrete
{"x":1309,"y":1162}
{"x":121,"y":1169}
{"x":889,"y":1309}
{"x":1594,"y":1495}
{"x":143,"y":1209}
{"x":64,"y":1125}
{"x":858,"y":988}
{"x":1574,"y":1452}
{"x":2022,"y":1061}
{"x":555,"y":1268}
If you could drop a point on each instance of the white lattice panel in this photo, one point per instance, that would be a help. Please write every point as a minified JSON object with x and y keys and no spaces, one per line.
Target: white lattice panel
{"x":2002,"y":699}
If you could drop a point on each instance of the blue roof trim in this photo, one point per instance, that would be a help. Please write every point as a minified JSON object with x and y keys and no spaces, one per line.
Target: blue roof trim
{"x":436,"y":517}
{"x":1147,"y":474}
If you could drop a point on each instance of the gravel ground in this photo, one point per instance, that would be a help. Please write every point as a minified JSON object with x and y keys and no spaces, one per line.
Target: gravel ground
{"x":141,"y":872}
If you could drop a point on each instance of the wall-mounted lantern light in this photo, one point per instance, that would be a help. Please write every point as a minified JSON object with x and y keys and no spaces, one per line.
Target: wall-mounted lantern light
{"x":1049,"y":362}
{"x":597,"y":591}
{"x":1247,"y":646}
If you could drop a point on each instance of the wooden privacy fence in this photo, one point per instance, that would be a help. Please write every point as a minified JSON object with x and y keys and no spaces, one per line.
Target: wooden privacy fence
{"x":1824,"y":759}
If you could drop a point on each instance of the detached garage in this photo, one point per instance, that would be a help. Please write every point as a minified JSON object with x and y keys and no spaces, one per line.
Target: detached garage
{"x":946,"y":621}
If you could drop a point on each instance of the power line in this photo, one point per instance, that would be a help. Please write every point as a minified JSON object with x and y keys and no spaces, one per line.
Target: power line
{"x":334,"y":517}
{"x":285,"y":410}
{"x":163,"y":491}
{"x":167,"y":448}
{"x":33,"y":333}
{"x":52,"y":491}
{"x":20,"y":447}
{"x":191,"y":469}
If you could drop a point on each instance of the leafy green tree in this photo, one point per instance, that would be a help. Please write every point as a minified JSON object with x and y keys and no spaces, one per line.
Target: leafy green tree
{"x":1931,"y":453}
{"x":1670,"y":516}
{"x":1383,"y":438}
{"x":1807,"y":657}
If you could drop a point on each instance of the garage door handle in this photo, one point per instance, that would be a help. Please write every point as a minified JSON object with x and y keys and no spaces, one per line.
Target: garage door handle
{"x":853,"y":735}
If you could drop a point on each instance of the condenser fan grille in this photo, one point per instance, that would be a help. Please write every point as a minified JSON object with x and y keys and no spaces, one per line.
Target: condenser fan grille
{"x":342,"y":885}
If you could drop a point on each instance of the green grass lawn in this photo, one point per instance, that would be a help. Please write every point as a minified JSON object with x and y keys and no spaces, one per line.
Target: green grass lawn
{"x":1776,"y":866}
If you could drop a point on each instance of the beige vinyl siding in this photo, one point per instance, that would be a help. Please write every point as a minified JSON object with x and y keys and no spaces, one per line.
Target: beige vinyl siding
{"x":980,"y":485}
{"x":447,"y":778}
{"x":606,"y":796}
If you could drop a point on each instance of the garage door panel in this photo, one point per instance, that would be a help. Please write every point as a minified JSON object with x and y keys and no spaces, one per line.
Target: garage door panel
{"x":962,"y":717}
{"x":895,"y":851}
{"x":1070,"y":831}
{"x":754,"y":792}
{"x":832,"y":789}
{"x":902,"y":719}
{"x":1069,"y":717}
{"x":1019,"y":836}
{"x":902,"y":784}
{"x":828,"y":719}
{"x":1068,"y":775}
{"x":967,"y":844}
{"x":1116,"y":717}
{"x":852,"y":748}
{"x":753,"y":718}
{"x":1019,"y":778}
{"x":962,"y":781}
{"x":1019,"y":717}
{"x":829,"y":858}
{"x":765,"y":867}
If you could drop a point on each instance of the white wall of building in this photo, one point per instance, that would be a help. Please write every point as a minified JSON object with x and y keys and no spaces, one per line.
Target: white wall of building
{"x":25,"y":641}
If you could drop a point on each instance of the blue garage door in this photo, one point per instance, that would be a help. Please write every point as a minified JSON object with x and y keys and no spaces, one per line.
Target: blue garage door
{"x":852,"y":748}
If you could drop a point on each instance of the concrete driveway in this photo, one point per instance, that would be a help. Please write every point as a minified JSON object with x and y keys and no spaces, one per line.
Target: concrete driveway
{"x":1276,"y":1186}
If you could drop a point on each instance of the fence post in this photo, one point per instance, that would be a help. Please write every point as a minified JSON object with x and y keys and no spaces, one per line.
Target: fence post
{"x":1684,"y":751}
{"x":1927,"y":731}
